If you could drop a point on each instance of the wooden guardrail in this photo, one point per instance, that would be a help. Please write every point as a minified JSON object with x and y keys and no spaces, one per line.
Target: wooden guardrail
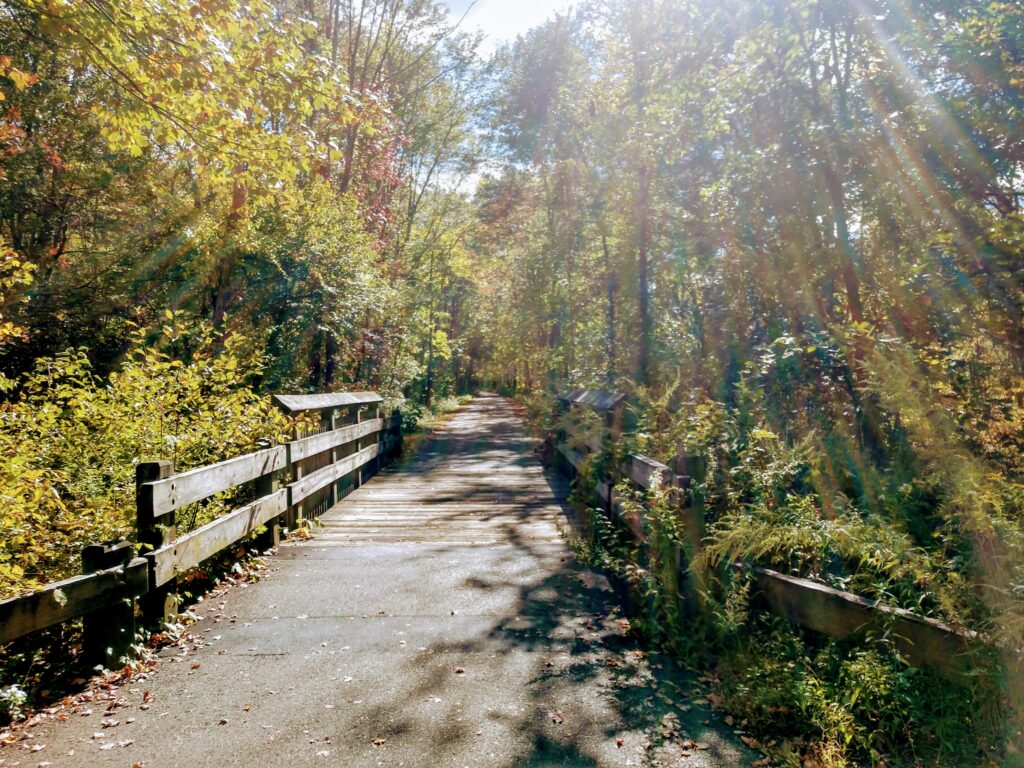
{"x":922,"y":641}
{"x":346,"y":450}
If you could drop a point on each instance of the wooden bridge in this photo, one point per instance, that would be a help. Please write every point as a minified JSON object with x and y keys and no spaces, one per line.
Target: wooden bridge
{"x":434,"y":618}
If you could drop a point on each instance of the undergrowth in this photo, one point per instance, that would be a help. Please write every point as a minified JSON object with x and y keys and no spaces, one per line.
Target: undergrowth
{"x":813,"y":701}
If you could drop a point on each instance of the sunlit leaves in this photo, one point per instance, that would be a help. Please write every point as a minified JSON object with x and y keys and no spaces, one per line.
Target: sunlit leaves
{"x":226,"y":86}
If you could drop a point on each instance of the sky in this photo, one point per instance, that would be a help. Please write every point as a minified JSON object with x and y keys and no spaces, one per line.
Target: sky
{"x":503,"y":20}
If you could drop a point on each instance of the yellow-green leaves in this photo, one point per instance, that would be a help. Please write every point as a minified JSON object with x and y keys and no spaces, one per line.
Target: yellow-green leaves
{"x":226,"y":86}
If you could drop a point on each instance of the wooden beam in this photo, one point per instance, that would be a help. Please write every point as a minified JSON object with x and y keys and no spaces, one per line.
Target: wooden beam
{"x":68,"y":599}
{"x":597,"y":399}
{"x":292,"y":404}
{"x":154,"y":531}
{"x":190,"y":550}
{"x":314,"y":481}
{"x":923,"y":642}
{"x":310,"y":446}
{"x":109,"y":631}
{"x":165,"y":496}
{"x":575,"y":458}
{"x":642,"y":471}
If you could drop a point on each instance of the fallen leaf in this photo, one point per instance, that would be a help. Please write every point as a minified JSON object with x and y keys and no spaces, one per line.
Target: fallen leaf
{"x":223,"y":721}
{"x":619,"y":742}
{"x":460,"y":671}
{"x":750,"y":742}
{"x":589,"y":579}
{"x":196,"y":665}
{"x":379,"y":742}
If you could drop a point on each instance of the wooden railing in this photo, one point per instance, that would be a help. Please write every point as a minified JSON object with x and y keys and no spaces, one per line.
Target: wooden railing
{"x":353,"y":441}
{"x":922,"y":641}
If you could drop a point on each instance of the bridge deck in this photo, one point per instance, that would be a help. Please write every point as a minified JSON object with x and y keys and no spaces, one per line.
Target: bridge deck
{"x":437,"y":619}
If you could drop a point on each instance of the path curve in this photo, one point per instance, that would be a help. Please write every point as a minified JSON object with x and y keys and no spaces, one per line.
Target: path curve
{"x":437,"y":619}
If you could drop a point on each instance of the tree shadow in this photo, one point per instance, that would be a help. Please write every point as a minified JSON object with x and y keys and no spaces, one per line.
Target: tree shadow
{"x":584,"y":687}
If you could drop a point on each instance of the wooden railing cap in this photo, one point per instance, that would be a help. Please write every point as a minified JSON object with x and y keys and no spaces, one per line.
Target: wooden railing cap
{"x":597,"y":399}
{"x":298,"y":403}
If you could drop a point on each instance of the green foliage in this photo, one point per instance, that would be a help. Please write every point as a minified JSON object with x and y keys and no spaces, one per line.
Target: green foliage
{"x":70,"y":441}
{"x":837,"y":704}
{"x":12,"y":699}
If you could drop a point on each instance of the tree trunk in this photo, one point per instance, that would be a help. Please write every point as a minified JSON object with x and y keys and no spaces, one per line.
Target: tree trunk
{"x":643,"y":245}
{"x":611,"y":284}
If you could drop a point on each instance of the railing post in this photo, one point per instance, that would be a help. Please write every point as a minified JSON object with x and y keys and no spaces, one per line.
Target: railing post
{"x":295,"y":472}
{"x":690,"y":472}
{"x":350,"y":481}
{"x":108,"y":633}
{"x":271,"y":537}
{"x":329,"y":423}
{"x":361,"y":443}
{"x":378,"y":413}
{"x":396,"y":430}
{"x":153,"y":533}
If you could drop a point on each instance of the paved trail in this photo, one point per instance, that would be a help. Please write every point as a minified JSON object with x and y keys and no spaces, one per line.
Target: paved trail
{"x":437,"y":619}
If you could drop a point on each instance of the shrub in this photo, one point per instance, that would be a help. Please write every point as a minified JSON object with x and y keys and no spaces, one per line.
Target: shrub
{"x":69,"y":442}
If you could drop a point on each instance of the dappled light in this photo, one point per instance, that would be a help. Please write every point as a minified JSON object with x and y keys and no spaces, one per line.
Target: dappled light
{"x":585,"y":341}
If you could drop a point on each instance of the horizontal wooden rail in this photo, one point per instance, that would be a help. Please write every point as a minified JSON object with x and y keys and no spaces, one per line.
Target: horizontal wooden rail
{"x":314,"y":444}
{"x":165,"y":496}
{"x":104,"y":595}
{"x":311,"y":483}
{"x":196,"y":546}
{"x":922,"y":641}
{"x":68,"y":599}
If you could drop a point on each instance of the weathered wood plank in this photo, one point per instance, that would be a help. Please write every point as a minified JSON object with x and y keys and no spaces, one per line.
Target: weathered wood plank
{"x":923,"y":642}
{"x":575,"y":458}
{"x":642,"y":471}
{"x":71,"y":598}
{"x":165,"y":496}
{"x":597,"y":399}
{"x":314,"y":481}
{"x":310,"y":446}
{"x":191,"y":549}
{"x":299,"y":403}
